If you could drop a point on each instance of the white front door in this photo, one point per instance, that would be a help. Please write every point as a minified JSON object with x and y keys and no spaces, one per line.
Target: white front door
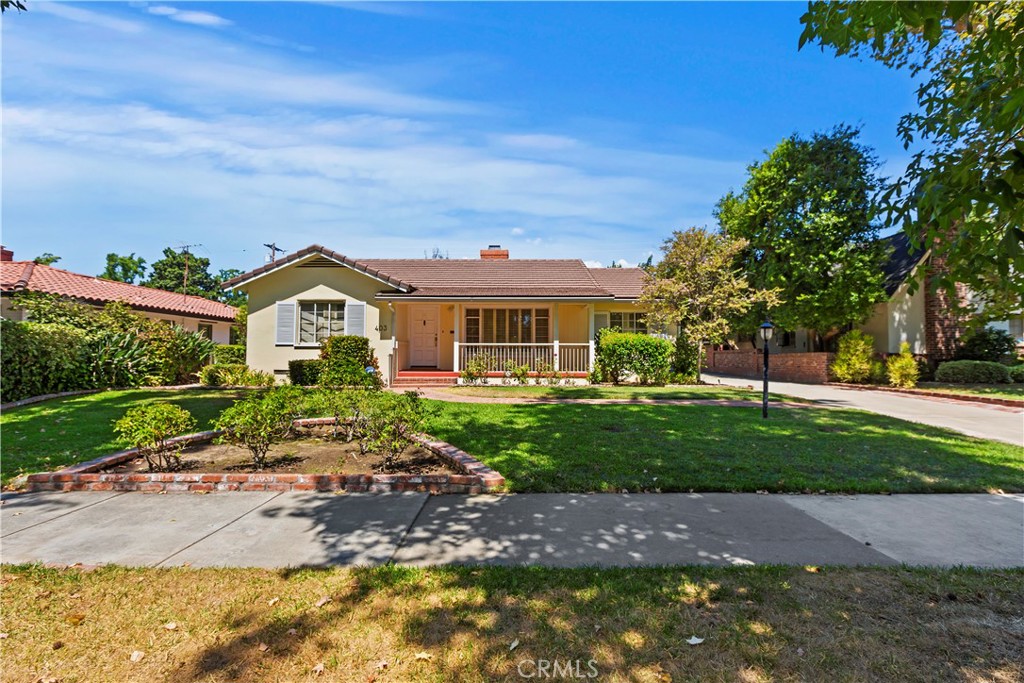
{"x":424,"y":336}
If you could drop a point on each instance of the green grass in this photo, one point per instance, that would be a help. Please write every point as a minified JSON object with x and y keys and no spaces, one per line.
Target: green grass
{"x":487,"y":624}
{"x":567,"y":447}
{"x":695,"y":392}
{"x":59,"y":432}
{"x":1014,"y":391}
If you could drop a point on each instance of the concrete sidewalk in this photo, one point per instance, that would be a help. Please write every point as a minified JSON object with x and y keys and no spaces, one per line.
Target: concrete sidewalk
{"x":303,"y":529}
{"x":983,"y":420}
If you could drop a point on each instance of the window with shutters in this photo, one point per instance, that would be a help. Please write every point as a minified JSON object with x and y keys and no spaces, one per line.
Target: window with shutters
{"x":508,"y":326}
{"x":319,"y":320}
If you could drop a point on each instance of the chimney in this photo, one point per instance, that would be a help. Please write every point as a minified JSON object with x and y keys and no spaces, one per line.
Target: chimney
{"x":494,"y":252}
{"x":6,"y":254}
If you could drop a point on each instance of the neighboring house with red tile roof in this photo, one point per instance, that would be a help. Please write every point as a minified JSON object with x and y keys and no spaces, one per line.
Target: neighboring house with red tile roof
{"x":194,"y":313}
{"x":434,"y":315}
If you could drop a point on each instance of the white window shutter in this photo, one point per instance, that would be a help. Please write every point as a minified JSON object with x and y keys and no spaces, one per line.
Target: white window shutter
{"x":285,"y":335}
{"x":355,"y":318}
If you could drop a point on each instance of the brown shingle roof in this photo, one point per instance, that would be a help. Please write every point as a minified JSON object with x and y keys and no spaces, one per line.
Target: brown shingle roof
{"x":508,"y":278}
{"x":16,"y":276}
{"x":622,"y":283}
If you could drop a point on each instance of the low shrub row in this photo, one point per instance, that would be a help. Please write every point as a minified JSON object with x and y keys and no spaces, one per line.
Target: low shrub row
{"x":234,"y":374}
{"x":972,"y":372}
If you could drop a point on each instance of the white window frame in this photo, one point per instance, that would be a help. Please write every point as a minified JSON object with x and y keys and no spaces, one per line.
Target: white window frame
{"x":316,"y":303}
{"x":629,"y":328}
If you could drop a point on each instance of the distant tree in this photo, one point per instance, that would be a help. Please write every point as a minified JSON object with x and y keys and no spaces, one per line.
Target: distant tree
{"x":124,"y":268}
{"x":46,"y":259}
{"x":12,"y":4}
{"x":437,"y":254}
{"x":233,"y":297}
{"x":615,"y":264}
{"x":807,"y":215}
{"x":240,"y":329}
{"x":698,"y":286}
{"x":962,"y":195}
{"x":169,"y":273}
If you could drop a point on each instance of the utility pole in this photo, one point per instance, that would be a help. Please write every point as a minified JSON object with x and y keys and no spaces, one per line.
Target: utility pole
{"x":274,"y":250}
{"x":185,"y":252}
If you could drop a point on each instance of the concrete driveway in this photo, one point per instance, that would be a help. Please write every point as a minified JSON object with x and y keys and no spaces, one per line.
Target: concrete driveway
{"x":983,"y":420}
{"x":239,"y":529}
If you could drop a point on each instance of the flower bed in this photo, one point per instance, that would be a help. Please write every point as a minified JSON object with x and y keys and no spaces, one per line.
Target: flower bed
{"x":473,"y":477}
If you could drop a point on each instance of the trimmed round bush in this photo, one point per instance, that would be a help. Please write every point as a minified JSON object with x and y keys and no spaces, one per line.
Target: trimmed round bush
{"x":628,"y":353}
{"x":1017,"y":374}
{"x":853,"y":359}
{"x":972,"y":372}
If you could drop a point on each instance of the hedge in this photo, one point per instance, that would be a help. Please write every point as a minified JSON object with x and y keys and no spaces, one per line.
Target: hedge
{"x":1017,"y":374}
{"x":649,"y":358}
{"x":346,"y":360}
{"x":229,"y":354}
{"x":42,"y":358}
{"x":305,"y":372}
{"x":972,"y":372}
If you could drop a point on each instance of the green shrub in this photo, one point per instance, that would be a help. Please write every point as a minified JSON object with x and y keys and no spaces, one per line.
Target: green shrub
{"x":879,"y":372}
{"x":686,"y":358}
{"x":233,"y":374}
{"x":519,"y":373}
{"x":628,"y":353}
{"x":547,"y":374}
{"x":118,"y":359}
{"x":1017,"y":374}
{"x":42,"y":358}
{"x":391,"y":421}
{"x":305,"y":372}
{"x":178,"y":354}
{"x":853,"y":359}
{"x":972,"y":372}
{"x":229,"y":354}
{"x":262,"y":419}
{"x":986,"y":343}
{"x":477,"y":368}
{"x":349,"y":407}
{"x":902,"y":368}
{"x":149,"y":427}
{"x":348,"y":361}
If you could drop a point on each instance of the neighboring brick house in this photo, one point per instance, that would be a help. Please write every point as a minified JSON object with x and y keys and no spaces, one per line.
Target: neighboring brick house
{"x":427,"y":318}
{"x":194,"y":313}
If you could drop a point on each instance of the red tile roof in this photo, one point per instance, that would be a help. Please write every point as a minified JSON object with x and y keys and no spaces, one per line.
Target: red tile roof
{"x":16,"y":276}
{"x":500,"y":278}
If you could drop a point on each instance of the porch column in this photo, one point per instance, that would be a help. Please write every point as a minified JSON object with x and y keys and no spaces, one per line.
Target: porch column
{"x":554,"y":338}
{"x":455,"y":351}
{"x":590,"y":337}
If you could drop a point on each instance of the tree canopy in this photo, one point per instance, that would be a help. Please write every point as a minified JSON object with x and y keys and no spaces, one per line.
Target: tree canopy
{"x":169,"y":273}
{"x":963,"y":192}
{"x":46,"y":259}
{"x":806,"y":215}
{"x":124,"y":268}
{"x":698,"y":286}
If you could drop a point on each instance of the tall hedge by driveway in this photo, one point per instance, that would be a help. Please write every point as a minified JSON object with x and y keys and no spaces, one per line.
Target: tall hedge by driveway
{"x":42,"y":358}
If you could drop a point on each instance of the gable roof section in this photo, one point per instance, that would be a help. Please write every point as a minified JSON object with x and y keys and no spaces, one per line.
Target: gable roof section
{"x":622,"y":283}
{"x":324,"y":252}
{"x":903,"y":258}
{"x":478,"y":278}
{"x":18,"y":276}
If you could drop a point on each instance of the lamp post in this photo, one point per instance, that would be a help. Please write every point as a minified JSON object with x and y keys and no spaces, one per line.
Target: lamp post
{"x":766,"y":334}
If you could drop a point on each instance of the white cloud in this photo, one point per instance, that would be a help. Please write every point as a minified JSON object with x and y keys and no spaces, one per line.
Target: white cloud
{"x":593,"y":264}
{"x":84,"y":16}
{"x":271,"y":146}
{"x":190,"y":17}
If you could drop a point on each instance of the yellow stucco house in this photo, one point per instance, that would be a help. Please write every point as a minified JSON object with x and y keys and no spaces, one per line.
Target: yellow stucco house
{"x":426,"y":318}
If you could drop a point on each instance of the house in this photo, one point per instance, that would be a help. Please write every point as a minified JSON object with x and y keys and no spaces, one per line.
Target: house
{"x":194,"y":313}
{"x":426,"y":318}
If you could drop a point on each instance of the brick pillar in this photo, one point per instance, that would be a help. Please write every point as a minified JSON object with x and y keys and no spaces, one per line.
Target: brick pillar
{"x":943,"y":323}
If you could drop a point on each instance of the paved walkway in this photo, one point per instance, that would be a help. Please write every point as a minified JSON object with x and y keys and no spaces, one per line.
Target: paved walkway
{"x":983,"y":420}
{"x":302,"y":529}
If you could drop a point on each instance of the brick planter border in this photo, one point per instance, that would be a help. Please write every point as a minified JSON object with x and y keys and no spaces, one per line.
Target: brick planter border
{"x":474,"y":477}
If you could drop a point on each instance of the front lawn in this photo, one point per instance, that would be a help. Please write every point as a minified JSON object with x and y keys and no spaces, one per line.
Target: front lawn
{"x":493,"y":624}
{"x":688,"y":392}
{"x":1013,"y":391}
{"x":579,"y":447}
{"x":59,"y":432}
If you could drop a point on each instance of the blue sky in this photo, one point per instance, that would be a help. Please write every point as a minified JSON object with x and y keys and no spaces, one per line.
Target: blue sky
{"x":387,"y":129}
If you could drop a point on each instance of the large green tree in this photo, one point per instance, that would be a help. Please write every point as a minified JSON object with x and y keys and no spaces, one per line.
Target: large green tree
{"x":807,"y":215}
{"x":46,"y":259}
{"x":962,"y":194}
{"x":233,"y":297}
{"x":170,"y":273}
{"x":697,"y":286}
{"x":124,"y":268}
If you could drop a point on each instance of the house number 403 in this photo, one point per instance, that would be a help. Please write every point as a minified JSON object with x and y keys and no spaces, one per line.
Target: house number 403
{"x":381,"y":328}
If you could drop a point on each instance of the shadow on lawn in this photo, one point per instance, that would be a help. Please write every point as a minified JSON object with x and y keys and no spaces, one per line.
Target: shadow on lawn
{"x":583,"y":448}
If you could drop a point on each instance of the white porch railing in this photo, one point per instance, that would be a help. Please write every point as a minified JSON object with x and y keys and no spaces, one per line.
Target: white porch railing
{"x":540,"y":357}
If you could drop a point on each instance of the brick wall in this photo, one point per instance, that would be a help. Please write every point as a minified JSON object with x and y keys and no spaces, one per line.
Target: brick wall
{"x":811,"y":368}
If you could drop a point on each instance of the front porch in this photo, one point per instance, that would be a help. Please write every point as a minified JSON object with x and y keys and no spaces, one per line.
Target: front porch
{"x":446,"y":337}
